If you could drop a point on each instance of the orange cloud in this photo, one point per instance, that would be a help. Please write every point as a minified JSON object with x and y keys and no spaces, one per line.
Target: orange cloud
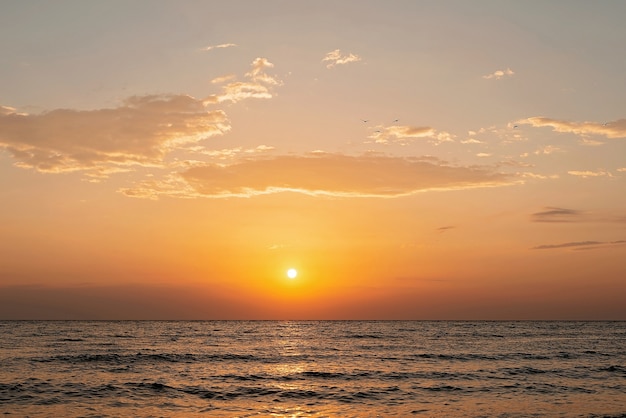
{"x":336,"y":175}
{"x":616,"y":129}
{"x":587,"y":173}
{"x":336,"y":58}
{"x":403,"y":134}
{"x":257,"y":85}
{"x":210,"y":47}
{"x":139,"y":132}
{"x":499,"y":74}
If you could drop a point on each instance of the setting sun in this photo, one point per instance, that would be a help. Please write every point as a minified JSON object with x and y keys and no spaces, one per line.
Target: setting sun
{"x":292,"y":273}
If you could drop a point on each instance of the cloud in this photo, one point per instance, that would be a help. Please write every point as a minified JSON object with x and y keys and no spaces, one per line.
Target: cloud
{"x":257,"y":73}
{"x":547,"y":150}
{"x":472,"y":141}
{"x":336,"y":175}
{"x":561,"y":215}
{"x":257,"y":86}
{"x":139,"y":132}
{"x":587,"y":174}
{"x":6,"y":110}
{"x":443,"y":229}
{"x":615,"y":129}
{"x":538,"y":176}
{"x":210,"y":47}
{"x":499,"y":74}
{"x":142,"y":131}
{"x":223,"y":79}
{"x":335,"y":58}
{"x":582,"y":245}
{"x":554,"y":214}
{"x":230,"y":153}
{"x":403,"y":134}
{"x":171,"y":185}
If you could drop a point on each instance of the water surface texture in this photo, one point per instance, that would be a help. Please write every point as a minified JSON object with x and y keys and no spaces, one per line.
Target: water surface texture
{"x":316,"y":368}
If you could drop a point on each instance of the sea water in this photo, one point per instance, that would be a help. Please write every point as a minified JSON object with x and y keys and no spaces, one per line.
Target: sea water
{"x":312,"y":369}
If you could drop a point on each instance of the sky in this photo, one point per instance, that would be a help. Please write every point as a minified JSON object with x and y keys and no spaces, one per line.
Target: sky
{"x":409,"y":159}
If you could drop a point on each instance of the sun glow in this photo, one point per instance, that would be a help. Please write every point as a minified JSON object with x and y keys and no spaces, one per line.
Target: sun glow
{"x":292,"y":273}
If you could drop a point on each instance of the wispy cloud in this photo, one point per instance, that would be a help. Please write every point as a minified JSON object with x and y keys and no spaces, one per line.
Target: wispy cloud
{"x":336,"y":58}
{"x":220,"y":46}
{"x":499,"y":74}
{"x":443,"y":229}
{"x":547,"y":150}
{"x":587,"y":173}
{"x":258,"y":85}
{"x":472,"y":141}
{"x":536,"y":176}
{"x":224,"y":78}
{"x":258,"y":74}
{"x":581,"y":245}
{"x":403,"y":134}
{"x":554,"y":214}
{"x":336,"y":175}
{"x":561,"y":215}
{"x":7,"y":110}
{"x":231,"y":153}
{"x":615,"y":129}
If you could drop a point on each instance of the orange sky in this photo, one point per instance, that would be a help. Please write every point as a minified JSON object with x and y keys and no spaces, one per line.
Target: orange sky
{"x":173,"y":162}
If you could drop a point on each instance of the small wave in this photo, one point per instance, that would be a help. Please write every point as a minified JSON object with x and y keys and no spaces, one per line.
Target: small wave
{"x":153,"y":386}
{"x":242,"y":378}
{"x":614,"y":369}
{"x":239,"y":392}
{"x":548,"y":389}
{"x":363,"y":336}
{"x":299,"y":394}
{"x":523,"y":370}
{"x":442,"y":388}
{"x":126,"y":359}
{"x":323,"y":375}
{"x":49,"y":401}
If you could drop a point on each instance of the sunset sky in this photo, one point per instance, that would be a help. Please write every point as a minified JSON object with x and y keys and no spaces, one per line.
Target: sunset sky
{"x":409,"y":159}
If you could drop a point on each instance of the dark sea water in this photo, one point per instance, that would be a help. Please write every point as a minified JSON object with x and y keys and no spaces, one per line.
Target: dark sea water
{"x":316,"y":368}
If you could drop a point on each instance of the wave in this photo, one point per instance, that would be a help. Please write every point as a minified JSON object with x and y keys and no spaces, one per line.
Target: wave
{"x":142,"y":358}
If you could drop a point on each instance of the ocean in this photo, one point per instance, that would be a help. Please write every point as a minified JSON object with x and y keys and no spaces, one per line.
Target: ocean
{"x":312,"y":369}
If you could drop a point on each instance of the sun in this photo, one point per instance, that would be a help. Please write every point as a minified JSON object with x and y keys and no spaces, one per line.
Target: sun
{"x":292,"y":273}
